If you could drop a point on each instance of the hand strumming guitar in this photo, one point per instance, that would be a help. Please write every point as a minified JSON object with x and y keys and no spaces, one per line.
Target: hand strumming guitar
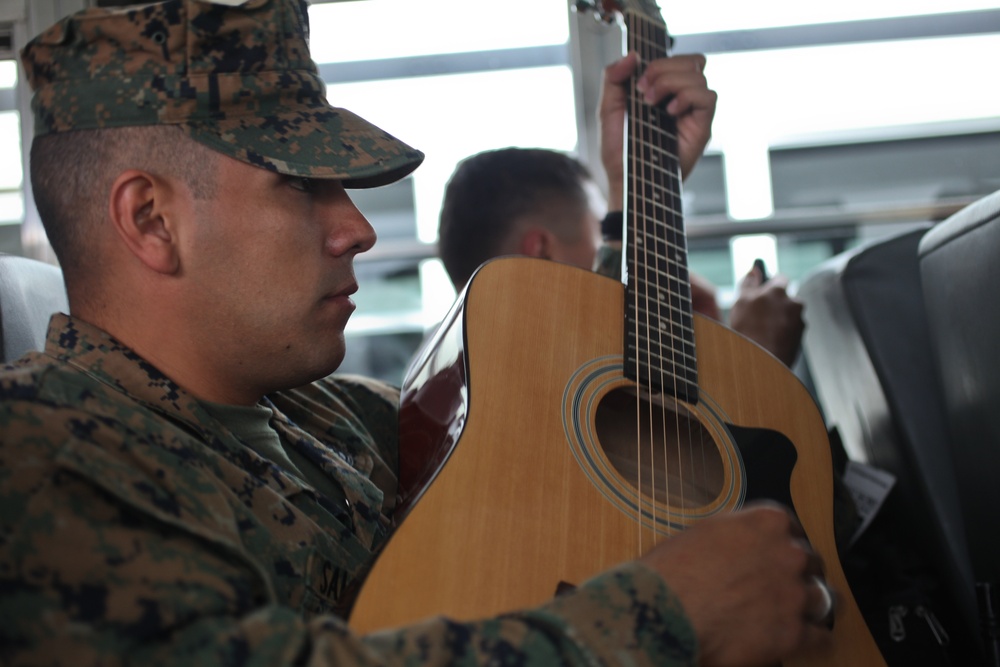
{"x":747,"y":581}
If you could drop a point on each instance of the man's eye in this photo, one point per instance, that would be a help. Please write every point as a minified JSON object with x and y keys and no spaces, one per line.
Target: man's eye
{"x":302,"y":183}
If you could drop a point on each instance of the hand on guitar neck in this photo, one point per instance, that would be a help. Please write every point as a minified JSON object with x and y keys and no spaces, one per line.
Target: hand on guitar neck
{"x":680,"y":78}
{"x":763,"y":311}
{"x":757,"y":609}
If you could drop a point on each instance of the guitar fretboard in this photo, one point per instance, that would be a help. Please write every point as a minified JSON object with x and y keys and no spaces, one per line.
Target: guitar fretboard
{"x":659,"y":332}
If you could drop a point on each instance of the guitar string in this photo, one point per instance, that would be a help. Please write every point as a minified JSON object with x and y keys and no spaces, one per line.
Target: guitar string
{"x":682,"y":280}
{"x":633,"y":242}
{"x":650,"y":191}
{"x":645,"y":191}
{"x":652,"y":187}
{"x":665,"y":183}
{"x":636,"y":182}
{"x":648,"y":58}
{"x":657,"y":48}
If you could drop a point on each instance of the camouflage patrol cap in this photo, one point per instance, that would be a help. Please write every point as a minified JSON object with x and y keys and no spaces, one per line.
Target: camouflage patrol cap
{"x":236,"y":75}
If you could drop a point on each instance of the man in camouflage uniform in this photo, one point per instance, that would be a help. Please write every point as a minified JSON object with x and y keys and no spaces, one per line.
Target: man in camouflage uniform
{"x":179,"y":484}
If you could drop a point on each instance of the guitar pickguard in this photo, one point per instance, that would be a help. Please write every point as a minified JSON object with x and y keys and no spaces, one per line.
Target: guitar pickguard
{"x":769,"y":458}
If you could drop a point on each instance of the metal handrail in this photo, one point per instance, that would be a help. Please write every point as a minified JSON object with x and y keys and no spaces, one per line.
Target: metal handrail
{"x":787,"y":221}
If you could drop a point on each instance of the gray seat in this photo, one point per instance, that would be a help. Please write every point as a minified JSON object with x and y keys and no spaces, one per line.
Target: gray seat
{"x":30,"y":292}
{"x":867,"y":349}
{"x":960,"y":269}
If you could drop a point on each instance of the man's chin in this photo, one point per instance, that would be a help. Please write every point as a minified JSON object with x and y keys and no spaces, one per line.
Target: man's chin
{"x":333,"y":360}
{"x":317,"y":369}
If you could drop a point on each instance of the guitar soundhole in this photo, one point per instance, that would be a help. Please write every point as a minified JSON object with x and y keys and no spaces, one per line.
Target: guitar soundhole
{"x":660,"y":448}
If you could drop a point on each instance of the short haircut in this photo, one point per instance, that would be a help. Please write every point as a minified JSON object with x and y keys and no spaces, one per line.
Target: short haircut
{"x":490,"y":191}
{"x":72,"y":174}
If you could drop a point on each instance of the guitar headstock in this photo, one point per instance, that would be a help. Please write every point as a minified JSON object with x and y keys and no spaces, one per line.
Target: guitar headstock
{"x":644,"y":14}
{"x":609,"y":9}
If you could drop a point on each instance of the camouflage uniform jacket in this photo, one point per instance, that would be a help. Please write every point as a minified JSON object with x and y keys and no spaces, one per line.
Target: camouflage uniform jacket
{"x":134,"y":529}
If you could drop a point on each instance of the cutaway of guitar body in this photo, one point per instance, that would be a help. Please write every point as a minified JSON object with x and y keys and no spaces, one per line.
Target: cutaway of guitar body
{"x":525,"y":473}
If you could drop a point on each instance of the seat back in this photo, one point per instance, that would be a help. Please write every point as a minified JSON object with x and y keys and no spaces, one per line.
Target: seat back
{"x":30,"y":292}
{"x":867,"y":347}
{"x":960,"y":268}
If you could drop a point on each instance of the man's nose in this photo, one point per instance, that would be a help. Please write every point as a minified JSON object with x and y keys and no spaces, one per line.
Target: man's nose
{"x":349,"y":229}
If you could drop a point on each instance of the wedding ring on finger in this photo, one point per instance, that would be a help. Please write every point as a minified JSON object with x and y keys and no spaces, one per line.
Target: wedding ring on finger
{"x":823,"y":615}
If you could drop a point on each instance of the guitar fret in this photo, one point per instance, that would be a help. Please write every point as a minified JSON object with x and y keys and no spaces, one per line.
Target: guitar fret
{"x":655,"y":283}
{"x":654,"y":246}
{"x":682,"y":357}
{"x":652,"y":207}
{"x":674,"y":383}
{"x":654,"y":280}
{"x":675,"y":335}
{"x":673,"y":311}
{"x":677,"y":330}
{"x":656,"y":185}
{"x":660,"y":159}
{"x":665,"y":290}
{"x":666,"y":244}
{"x":662,"y":196}
{"x":656,"y":148}
{"x":659,"y":210}
{"x":684,"y":389}
{"x":660,"y":183}
{"x":652,"y":133}
{"x":656,"y":134}
{"x":657,"y":233}
{"x":663,"y":262}
{"x":652,"y":294}
{"x":659,"y":175}
{"x":667,"y":317}
{"x":667,"y":366}
{"x":665,"y":335}
{"x":664,"y":367}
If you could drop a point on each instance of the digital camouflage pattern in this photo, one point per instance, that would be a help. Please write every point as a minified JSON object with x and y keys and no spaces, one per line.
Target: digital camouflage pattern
{"x":238,"y":79}
{"x":135,"y":529}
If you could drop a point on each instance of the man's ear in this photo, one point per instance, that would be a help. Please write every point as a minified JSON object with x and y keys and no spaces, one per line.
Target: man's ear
{"x":536,"y":242}
{"x":138,"y":211}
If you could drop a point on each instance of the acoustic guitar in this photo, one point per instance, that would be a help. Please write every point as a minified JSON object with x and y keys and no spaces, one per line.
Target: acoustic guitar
{"x":560,"y":422}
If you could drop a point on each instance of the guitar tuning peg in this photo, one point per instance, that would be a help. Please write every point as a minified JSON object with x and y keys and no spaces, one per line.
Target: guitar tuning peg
{"x":599,"y":8}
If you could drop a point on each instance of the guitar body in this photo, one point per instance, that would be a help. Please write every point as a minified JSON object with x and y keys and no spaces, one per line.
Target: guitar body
{"x":516,"y":484}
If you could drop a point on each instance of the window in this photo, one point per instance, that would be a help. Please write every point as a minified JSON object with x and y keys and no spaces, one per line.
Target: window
{"x":498,"y":79}
{"x":11,"y":170}
{"x":722,"y":15}
{"x":794,"y":100}
{"x":407,"y":29}
{"x":453,"y":116}
{"x":890,"y":124}
{"x":916,"y":171}
{"x":823,"y":108}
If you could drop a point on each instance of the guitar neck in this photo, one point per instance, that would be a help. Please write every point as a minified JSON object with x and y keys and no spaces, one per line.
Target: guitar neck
{"x":659,"y":331}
